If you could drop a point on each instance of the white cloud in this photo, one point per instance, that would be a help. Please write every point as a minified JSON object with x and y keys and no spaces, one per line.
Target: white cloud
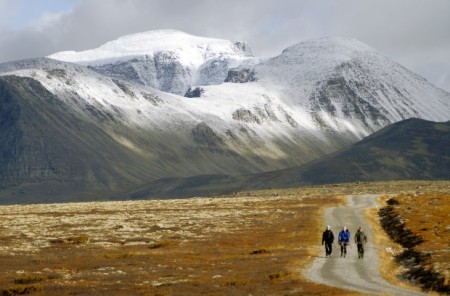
{"x":47,"y":21}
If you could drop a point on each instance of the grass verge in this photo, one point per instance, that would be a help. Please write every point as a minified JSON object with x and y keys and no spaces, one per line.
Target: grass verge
{"x":419,"y":223}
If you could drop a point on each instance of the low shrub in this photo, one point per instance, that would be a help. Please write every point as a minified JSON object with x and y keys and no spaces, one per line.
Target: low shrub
{"x":21,"y":290}
{"x":119,"y":256}
{"x":276,"y":276}
{"x":30,"y":279}
{"x":260,"y":251}
{"x":160,"y":244}
{"x":80,"y":239}
{"x":236,"y":283}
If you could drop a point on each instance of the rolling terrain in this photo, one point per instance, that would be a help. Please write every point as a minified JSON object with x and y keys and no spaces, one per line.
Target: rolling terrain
{"x":412,"y":149}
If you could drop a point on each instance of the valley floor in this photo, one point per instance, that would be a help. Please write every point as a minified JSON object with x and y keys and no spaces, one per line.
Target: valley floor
{"x":246,"y":243}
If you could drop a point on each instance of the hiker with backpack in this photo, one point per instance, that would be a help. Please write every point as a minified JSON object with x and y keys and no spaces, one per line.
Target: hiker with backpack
{"x":328,"y":239}
{"x":360,"y":240}
{"x":344,"y":240}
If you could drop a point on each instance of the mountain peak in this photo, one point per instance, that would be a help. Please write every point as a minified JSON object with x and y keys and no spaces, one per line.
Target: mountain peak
{"x":332,"y":49}
{"x":332,"y":44}
{"x":190,"y":49}
{"x":317,"y":59}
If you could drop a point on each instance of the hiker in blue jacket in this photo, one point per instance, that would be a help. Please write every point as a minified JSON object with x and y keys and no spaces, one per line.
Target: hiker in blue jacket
{"x":344,"y":240}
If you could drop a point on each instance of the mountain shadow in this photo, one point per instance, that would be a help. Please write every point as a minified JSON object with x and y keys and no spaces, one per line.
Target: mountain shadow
{"x":48,"y":153}
{"x":412,"y":149}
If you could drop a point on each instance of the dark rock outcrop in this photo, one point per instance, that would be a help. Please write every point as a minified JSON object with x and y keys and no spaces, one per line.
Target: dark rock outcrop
{"x":240,"y":75}
{"x":203,"y":134}
{"x":162,"y":71}
{"x":194,"y":93}
{"x":246,"y":116}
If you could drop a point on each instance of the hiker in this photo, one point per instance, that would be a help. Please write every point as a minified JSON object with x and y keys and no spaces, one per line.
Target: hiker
{"x":344,"y":240}
{"x":360,"y":240}
{"x":328,"y":239}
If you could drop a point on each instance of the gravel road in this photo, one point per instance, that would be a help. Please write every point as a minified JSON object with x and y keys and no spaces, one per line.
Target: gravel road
{"x":351,"y":273}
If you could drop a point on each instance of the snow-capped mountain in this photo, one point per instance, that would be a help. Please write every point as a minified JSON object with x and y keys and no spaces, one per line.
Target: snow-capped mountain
{"x":167,"y":60}
{"x":116,"y":117}
{"x":341,"y":84}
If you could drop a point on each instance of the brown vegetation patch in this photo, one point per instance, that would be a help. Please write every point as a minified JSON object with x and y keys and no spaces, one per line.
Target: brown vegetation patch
{"x":420,"y":223}
{"x":29,"y":279}
{"x":260,"y":251}
{"x":254,"y":242}
{"x":21,"y":290}
{"x":161,"y":244}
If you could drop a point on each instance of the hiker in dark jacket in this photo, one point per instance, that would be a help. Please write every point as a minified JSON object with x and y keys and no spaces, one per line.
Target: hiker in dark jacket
{"x":344,"y":240}
{"x":360,"y":240}
{"x":328,"y":239}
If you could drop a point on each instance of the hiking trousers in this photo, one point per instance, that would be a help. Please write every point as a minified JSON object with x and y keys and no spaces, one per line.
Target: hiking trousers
{"x":360,"y":250}
{"x":343,"y":249}
{"x":328,"y":248}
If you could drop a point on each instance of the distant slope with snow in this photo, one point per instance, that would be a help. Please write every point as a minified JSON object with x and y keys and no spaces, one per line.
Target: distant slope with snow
{"x":346,"y":85}
{"x":249,"y":115}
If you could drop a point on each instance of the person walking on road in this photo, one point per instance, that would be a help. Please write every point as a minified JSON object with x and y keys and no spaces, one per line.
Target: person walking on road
{"x":360,"y":241}
{"x":344,"y":240}
{"x":328,"y":239}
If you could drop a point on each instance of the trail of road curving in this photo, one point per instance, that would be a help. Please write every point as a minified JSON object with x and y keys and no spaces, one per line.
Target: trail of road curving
{"x":362,"y":275}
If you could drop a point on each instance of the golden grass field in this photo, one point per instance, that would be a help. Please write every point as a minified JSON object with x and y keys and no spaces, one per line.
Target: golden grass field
{"x":248,"y":243}
{"x":426,"y":215}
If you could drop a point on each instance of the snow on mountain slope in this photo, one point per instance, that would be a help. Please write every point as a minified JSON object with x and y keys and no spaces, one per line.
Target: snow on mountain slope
{"x":315,"y":98}
{"x":343,"y":85}
{"x":168,"y":60}
{"x":177,"y":135}
{"x":337,"y":82}
{"x":191,"y":50}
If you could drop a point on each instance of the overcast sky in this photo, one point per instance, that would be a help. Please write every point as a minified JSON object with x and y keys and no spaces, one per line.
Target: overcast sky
{"x":414,"y":33}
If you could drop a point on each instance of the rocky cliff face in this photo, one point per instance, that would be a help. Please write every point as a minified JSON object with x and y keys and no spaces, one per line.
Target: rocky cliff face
{"x":166,"y":60}
{"x":31,"y":150}
{"x":238,"y":75}
{"x":161,"y":71}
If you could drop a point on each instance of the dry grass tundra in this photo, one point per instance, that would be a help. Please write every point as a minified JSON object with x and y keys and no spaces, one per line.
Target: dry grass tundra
{"x":246,"y":243}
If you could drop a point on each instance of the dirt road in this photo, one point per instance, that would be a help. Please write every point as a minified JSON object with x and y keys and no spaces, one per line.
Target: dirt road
{"x":351,"y":273}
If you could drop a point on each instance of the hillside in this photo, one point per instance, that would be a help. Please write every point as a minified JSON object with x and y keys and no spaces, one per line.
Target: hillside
{"x":412,"y":149}
{"x":53,"y":152}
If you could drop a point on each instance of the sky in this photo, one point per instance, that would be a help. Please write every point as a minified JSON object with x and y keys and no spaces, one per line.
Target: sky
{"x":414,"y":33}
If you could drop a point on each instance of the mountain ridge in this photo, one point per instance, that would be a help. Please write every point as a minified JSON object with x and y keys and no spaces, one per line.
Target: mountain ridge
{"x":168,"y":60}
{"x":262,"y":115}
{"x":412,"y":149}
{"x":150,"y":42}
